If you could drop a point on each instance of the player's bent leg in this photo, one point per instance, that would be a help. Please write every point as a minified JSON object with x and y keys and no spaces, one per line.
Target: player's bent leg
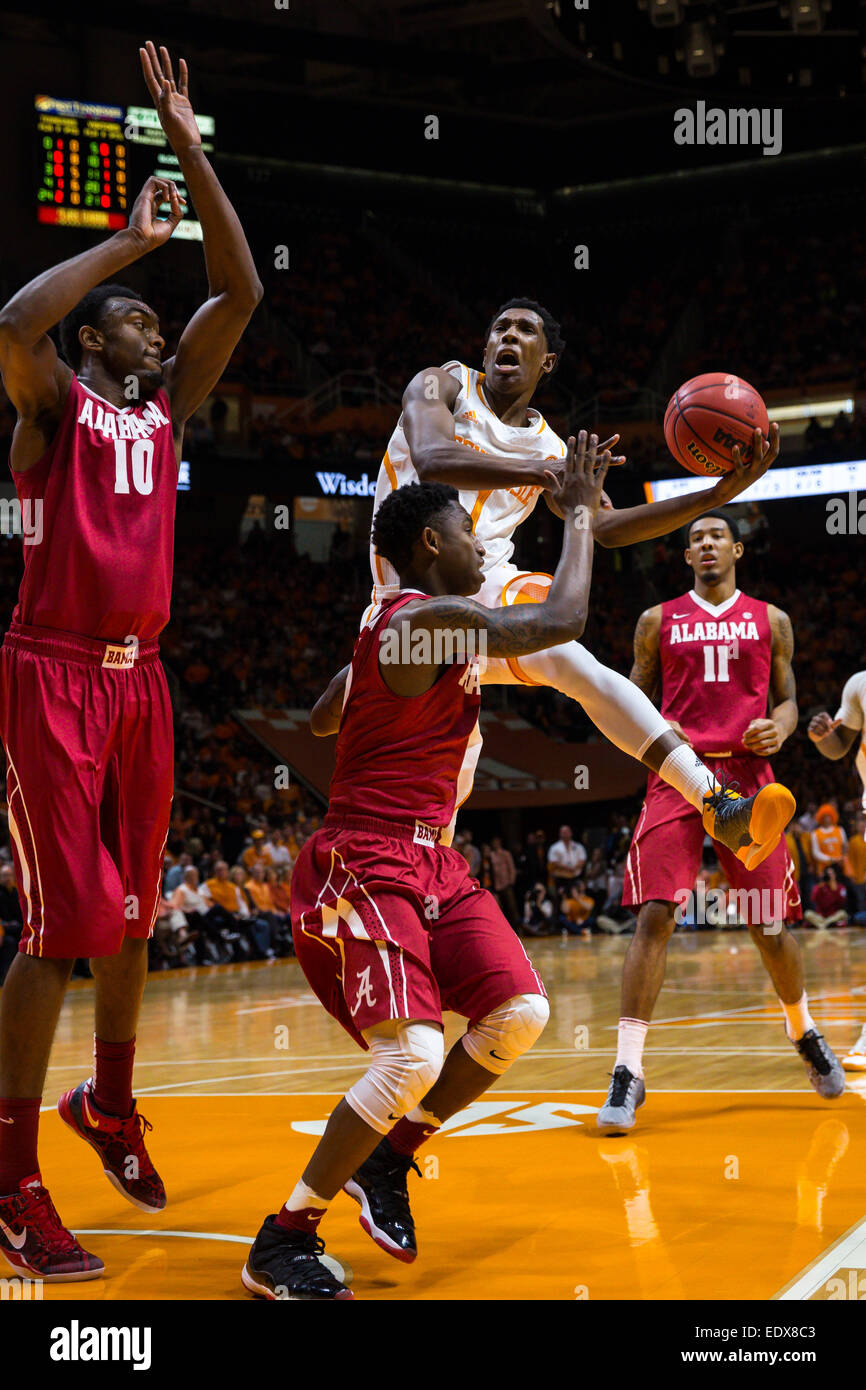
{"x":34,"y":1243}
{"x":407,"y":1062}
{"x":643,"y":975}
{"x":486,"y":1051}
{"x":495,"y":1043}
{"x":284,"y":1262}
{"x":102,"y":1110}
{"x":783,"y":962}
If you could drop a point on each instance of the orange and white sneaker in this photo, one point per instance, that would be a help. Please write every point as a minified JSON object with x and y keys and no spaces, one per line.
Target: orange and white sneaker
{"x":119,"y":1144}
{"x":34,"y":1241}
{"x":855,"y":1060}
{"x":749,"y":826}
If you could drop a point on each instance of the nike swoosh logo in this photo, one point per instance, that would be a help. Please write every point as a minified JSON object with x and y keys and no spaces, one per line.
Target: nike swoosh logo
{"x":17,"y":1242}
{"x":6,"y":1122}
{"x":497,"y":1056}
{"x":88,"y":1113}
{"x":679,"y":615}
{"x":393,"y":1117}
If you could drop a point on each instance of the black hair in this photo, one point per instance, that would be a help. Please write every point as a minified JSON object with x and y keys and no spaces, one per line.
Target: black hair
{"x":403,"y":515}
{"x":88,"y":310}
{"x":713,"y":511}
{"x":555,"y":340}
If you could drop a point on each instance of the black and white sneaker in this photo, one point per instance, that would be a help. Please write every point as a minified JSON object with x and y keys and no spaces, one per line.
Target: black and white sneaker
{"x":379,"y":1188}
{"x":289,"y":1265}
{"x":822,"y":1065}
{"x":625,"y":1095}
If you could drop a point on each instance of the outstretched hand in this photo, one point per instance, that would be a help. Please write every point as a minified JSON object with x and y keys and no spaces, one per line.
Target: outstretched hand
{"x":144,"y":220}
{"x":742,"y":475}
{"x":170,"y":98}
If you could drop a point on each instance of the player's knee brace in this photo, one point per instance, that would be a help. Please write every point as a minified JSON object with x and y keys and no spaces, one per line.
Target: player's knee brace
{"x":406,"y":1061}
{"x":505,"y":1034}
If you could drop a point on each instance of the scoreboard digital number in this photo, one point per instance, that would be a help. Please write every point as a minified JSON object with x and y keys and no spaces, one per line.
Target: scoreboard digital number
{"x":93,"y":159}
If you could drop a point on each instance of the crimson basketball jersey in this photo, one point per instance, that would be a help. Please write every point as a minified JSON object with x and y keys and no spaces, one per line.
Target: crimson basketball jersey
{"x":398,"y":758}
{"x":715,"y":668}
{"x":100,"y":507}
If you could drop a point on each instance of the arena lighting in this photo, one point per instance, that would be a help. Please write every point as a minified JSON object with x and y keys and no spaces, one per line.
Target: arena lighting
{"x":812,"y":410}
{"x":806,"y":16}
{"x":664,"y":14}
{"x":778,"y":485}
{"x":700,"y":55}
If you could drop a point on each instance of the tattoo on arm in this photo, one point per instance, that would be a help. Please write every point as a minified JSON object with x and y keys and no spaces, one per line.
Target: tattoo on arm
{"x":646,"y":670}
{"x":783,"y":682}
{"x":515,"y":631}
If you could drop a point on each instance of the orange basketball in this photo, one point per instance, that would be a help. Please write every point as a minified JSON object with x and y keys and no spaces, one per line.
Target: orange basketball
{"x":707,"y":416}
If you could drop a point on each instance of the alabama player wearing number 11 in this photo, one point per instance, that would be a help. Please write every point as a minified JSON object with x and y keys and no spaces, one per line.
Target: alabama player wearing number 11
{"x":721,"y":662}
{"x":85,"y":717}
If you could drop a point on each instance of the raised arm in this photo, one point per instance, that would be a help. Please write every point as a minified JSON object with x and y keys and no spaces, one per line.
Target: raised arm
{"x":765,"y":737}
{"x":438,"y":455}
{"x":530,"y":627}
{"x":234,"y":288}
{"x":37,"y":380}
{"x":629,"y":525}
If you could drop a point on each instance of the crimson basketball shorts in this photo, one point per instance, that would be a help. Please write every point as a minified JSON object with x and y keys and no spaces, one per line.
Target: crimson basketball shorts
{"x":665,"y":854}
{"x":89,"y":779}
{"x":386,"y":928}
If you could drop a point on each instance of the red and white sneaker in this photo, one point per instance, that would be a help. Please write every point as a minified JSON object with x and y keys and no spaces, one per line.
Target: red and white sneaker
{"x":34,"y":1241}
{"x":120,"y":1145}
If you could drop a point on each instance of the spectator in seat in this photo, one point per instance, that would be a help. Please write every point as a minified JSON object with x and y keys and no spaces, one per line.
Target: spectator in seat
{"x":537,"y":911}
{"x":828,"y":902}
{"x":577,"y":910}
{"x":829,"y":841}
{"x":565,"y":860}
{"x":504,"y":878}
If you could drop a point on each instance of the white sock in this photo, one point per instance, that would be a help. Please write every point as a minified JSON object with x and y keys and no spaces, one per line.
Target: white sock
{"x":798,"y":1020}
{"x":304,"y":1197}
{"x":420,"y":1116}
{"x":683,"y":770}
{"x":631,"y":1038}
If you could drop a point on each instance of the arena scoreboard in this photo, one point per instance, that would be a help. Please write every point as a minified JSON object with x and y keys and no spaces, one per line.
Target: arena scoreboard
{"x":92,"y":160}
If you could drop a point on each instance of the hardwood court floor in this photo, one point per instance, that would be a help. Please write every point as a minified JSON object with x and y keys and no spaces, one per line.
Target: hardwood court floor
{"x":738,"y":1181}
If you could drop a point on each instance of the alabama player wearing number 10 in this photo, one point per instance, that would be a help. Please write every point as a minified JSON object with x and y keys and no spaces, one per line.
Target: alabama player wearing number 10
{"x":721,"y":662}
{"x":85,"y":717}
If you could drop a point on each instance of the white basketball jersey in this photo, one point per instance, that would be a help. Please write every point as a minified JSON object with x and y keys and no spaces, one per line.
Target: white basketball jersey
{"x":496,"y":514}
{"x":852,"y":713}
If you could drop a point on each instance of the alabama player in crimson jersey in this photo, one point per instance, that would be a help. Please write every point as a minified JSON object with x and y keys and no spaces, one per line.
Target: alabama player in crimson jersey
{"x":85,"y":717}
{"x":478,"y":432}
{"x":388,"y":926}
{"x":721,"y":661}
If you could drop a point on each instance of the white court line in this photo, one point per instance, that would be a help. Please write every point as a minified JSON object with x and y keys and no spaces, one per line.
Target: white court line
{"x":818,"y":1271}
{"x":543,"y":1091}
{"x":188,"y":1235}
{"x":220,"y":1061}
{"x":244,"y":1076}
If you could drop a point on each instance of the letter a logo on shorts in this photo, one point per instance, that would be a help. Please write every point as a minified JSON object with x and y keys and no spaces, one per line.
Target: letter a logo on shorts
{"x":365,"y":991}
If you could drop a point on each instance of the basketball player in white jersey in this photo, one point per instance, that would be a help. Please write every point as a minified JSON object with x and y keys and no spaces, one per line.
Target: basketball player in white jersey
{"x":834,"y":738}
{"x":478,"y":432}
